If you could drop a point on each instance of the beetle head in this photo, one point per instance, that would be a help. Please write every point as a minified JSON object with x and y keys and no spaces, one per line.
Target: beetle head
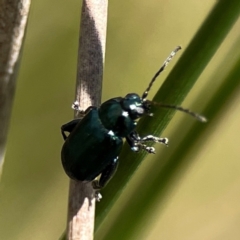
{"x":135,"y":106}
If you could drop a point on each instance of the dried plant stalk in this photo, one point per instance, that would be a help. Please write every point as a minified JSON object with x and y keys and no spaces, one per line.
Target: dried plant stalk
{"x":91,"y":54}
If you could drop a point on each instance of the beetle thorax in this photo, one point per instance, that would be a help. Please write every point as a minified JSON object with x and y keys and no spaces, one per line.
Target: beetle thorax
{"x":119,"y":114}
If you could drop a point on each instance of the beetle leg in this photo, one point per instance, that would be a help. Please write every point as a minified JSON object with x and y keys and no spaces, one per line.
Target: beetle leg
{"x":132,"y":143}
{"x":98,"y":196}
{"x":68,"y":127}
{"x":106,"y":175}
{"x":151,"y":138}
{"x":136,"y":142}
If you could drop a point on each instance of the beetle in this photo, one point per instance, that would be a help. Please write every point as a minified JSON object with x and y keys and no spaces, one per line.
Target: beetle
{"x":95,"y":140}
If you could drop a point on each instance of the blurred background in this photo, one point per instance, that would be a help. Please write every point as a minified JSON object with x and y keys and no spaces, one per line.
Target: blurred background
{"x":204,"y":201}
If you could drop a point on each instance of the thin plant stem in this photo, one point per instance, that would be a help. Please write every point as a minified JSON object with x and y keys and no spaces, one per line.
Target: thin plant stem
{"x":81,"y":206}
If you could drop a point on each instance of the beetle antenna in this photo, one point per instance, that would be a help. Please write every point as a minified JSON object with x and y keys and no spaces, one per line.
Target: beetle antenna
{"x":166,"y":62}
{"x":179,"y":108}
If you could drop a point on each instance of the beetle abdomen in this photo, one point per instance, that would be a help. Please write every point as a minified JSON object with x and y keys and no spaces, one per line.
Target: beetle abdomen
{"x":89,"y":148}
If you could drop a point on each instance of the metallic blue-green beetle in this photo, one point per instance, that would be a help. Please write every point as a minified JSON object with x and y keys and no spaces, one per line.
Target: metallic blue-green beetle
{"x":95,"y":141}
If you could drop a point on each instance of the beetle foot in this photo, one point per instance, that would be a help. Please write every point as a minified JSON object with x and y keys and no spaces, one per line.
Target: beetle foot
{"x":150,"y":150}
{"x":76,"y":107}
{"x":98,"y":196}
{"x":137,"y":143}
{"x":96,"y":188}
{"x":151,"y":138}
